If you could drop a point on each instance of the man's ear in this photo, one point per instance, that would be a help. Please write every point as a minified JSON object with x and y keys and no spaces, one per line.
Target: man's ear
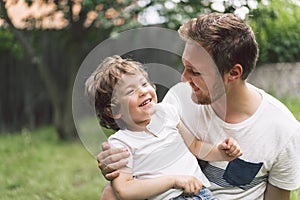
{"x":235,"y":72}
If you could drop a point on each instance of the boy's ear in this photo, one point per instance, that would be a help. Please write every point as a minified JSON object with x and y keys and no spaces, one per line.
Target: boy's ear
{"x":153,"y":85}
{"x":109,"y":112}
{"x":117,"y":116}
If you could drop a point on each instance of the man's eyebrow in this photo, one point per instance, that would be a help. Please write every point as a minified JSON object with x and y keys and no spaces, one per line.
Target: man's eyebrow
{"x":187,"y":63}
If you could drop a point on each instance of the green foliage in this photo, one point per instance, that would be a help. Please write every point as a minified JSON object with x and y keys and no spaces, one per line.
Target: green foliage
{"x":116,"y":16}
{"x":132,"y":14}
{"x":9,"y":43}
{"x":277,"y":30}
{"x":176,"y":12}
{"x":37,"y":165}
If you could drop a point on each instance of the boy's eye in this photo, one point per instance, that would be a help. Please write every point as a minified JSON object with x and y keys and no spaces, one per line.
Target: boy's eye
{"x":145,"y":84}
{"x":129,"y":92}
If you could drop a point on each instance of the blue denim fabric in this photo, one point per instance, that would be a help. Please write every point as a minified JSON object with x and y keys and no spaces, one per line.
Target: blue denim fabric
{"x":239,"y":172}
{"x":203,"y":194}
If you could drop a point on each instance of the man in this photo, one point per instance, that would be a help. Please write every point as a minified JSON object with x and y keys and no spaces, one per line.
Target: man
{"x":216,"y":102}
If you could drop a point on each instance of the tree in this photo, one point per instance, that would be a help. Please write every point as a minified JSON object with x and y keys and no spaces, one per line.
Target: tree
{"x":70,"y":39}
{"x":277,"y":29}
{"x":57,"y":40}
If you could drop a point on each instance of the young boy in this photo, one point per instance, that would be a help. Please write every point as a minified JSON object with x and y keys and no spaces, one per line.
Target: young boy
{"x":160,"y":164}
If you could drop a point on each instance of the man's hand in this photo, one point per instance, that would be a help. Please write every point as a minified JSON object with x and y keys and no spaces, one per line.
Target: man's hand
{"x":231,"y":149}
{"x":110,"y":160}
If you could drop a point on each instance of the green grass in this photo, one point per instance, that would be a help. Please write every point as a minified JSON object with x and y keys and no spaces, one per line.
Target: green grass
{"x":294,"y":105}
{"x":36,"y":165}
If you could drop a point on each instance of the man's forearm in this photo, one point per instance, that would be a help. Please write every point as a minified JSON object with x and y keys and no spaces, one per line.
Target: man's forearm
{"x":275,"y":193}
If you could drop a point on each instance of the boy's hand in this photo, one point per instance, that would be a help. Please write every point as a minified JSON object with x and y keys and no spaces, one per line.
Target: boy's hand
{"x":189,"y":184}
{"x":231,"y":149}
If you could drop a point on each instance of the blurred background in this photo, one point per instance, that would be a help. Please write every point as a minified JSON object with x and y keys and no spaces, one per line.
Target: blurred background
{"x":42,"y":45}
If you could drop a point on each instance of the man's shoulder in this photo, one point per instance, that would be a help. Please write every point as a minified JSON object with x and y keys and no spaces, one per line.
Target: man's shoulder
{"x":277,"y":109}
{"x":180,"y":96}
{"x":180,"y":88}
{"x":273,"y":106}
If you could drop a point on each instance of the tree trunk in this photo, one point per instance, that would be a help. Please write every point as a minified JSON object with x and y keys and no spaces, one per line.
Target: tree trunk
{"x":62,"y":116}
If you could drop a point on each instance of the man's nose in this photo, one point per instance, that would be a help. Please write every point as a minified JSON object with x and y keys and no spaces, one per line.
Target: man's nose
{"x":184,"y":76}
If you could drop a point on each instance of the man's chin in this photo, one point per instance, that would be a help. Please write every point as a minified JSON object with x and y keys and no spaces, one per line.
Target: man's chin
{"x":200,"y":100}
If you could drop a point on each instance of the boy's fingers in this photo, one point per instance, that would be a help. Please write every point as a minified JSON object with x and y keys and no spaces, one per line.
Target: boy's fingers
{"x":230,"y":142}
{"x":223,"y":146}
{"x":236,"y":153}
{"x":233,"y":150}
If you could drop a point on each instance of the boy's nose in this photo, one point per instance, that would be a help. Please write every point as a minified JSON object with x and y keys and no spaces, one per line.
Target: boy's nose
{"x":142,"y":91}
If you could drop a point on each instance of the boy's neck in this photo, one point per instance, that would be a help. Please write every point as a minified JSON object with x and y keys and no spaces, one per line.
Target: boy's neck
{"x":142,"y":126}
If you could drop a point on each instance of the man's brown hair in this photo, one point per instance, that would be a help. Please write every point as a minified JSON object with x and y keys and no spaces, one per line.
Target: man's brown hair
{"x":227,"y":38}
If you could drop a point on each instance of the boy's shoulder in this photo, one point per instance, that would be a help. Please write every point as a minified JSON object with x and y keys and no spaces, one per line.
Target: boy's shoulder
{"x":166,"y":108}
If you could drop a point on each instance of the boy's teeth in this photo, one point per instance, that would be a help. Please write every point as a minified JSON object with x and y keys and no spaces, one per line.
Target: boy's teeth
{"x":145,"y":102}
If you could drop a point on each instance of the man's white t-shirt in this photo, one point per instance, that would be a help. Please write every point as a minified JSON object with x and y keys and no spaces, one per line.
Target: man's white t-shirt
{"x":269,"y":140}
{"x":163,"y":153}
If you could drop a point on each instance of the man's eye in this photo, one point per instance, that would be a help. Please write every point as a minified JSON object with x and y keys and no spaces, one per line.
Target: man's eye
{"x":194,"y":73}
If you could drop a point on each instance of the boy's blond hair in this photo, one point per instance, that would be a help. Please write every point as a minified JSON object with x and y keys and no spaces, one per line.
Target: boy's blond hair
{"x":100,"y":86}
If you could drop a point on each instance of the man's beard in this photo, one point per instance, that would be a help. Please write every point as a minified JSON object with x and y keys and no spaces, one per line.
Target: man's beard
{"x":206,"y":98}
{"x":201,"y":99}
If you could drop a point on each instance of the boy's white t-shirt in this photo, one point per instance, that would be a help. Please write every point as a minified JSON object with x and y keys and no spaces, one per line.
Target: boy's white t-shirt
{"x":269,"y":140}
{"x":163,"y":154}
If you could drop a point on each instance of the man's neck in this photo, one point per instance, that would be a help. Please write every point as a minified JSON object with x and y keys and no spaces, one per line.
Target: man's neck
{"x":239,"y":104}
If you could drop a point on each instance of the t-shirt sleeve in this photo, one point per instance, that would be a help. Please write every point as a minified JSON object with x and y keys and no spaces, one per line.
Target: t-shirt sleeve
{"x":171,"y":112}
{"x":285,"y":172}
{"x":174,"y":97}
{"x":115,"y":142}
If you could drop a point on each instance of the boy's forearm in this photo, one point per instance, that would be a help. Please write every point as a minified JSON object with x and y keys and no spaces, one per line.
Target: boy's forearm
{"x":189,"y":139}
{"x":200,"y":149}
{"x":205,"y":151}
{"x":141,"y":189}
{"x":211,"y":153}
